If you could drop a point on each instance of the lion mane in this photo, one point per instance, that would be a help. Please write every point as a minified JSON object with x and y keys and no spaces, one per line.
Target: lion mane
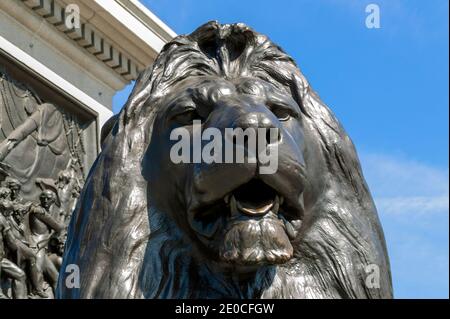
{"x":126,"y":248}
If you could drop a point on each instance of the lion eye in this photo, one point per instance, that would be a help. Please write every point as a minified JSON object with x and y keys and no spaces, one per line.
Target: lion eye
{"x":187,"y":116}
{"x":281,"y":112}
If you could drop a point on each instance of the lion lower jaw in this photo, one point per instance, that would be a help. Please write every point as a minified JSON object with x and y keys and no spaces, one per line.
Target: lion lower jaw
{"x":256,"y":242}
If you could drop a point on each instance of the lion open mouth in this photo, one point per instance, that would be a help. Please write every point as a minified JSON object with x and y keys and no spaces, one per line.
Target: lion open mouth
{"x":251,"y":225}
{"x":253,"y":199}
{"x":256,"y":199}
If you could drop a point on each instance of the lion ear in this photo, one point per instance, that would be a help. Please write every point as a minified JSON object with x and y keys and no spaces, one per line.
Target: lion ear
{"x":107,"y":127}
{"x":140,"y":93}
{"x":310,"y":103}
{"x":299,"y":88}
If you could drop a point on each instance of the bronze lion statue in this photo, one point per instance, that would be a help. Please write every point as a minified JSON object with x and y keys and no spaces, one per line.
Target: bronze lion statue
{"x":146,"y":227}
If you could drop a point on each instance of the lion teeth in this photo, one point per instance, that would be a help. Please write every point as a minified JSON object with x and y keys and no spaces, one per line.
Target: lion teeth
{"x":227,"y":199}
{"x":254,"y":211}
{"x":276,"y":205}
{"x":302,"y":204}
{"x":233,"y":206}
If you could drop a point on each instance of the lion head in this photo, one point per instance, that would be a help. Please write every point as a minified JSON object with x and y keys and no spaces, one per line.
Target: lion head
{"x":149,"y":227}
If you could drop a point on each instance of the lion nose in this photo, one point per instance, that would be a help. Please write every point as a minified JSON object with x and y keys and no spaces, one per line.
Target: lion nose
{"x":257,"y":120}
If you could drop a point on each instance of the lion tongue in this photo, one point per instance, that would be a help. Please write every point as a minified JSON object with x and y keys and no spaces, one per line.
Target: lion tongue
{"x":254,"y":209}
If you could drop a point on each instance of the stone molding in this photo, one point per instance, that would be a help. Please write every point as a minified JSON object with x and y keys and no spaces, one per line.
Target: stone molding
{"x":88,"y":37}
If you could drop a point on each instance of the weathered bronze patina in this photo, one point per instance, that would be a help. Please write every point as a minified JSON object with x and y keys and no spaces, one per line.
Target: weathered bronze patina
{"x":146,"y":227}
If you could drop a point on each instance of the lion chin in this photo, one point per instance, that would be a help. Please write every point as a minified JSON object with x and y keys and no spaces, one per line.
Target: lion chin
{"x":256,"y":242}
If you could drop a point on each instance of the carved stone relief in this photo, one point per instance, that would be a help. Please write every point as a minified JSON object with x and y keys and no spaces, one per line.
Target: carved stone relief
{"x":42,"y":170}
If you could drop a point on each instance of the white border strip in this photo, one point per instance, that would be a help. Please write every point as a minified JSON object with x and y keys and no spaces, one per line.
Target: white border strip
{"x":132,"y":24}
{"x":164,"y":27}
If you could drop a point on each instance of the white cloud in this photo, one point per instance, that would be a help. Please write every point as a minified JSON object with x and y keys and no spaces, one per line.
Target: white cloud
{"x":412,"y":199}
{"x":414,"y":204}
{"x":401,"y":185}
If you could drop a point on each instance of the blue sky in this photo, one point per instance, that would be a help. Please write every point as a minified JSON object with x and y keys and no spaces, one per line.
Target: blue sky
{"x":388,"y":87}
